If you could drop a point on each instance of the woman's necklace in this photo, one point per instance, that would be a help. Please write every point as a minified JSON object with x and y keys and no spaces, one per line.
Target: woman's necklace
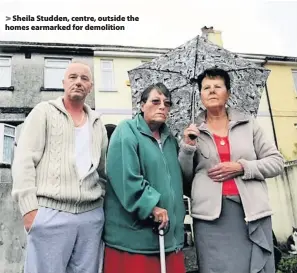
{"x":222,"y":142}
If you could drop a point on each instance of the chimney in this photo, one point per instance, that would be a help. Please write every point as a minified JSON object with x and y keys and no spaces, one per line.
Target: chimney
{"x":214,"y":36}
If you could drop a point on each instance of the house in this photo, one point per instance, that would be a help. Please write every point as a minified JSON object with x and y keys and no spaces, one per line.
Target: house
{"x":282,"y":87}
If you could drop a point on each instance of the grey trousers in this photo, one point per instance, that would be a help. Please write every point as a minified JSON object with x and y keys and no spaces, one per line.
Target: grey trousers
{"x":61,"y":242}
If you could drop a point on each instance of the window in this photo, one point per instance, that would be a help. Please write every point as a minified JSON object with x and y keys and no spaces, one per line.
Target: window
{"x":7,"y":134}
{"x":5,"y":72}
{"x":294,"y":72}
{"x":107,"y":82}
{"x":54,"y":70}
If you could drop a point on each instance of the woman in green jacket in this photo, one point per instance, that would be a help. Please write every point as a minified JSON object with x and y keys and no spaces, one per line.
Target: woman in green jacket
{"x":144,"y":183}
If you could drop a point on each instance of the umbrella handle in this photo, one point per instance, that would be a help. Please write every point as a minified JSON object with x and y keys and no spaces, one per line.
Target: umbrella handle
{"x":191,"y":136}
{"x":193,"y":105}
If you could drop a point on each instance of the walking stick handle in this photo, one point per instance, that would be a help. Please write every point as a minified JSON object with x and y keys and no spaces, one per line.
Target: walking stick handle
{"x":161,"y":232}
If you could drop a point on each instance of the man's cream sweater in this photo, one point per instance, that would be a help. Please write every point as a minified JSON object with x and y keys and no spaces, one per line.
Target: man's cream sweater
{"x":44,"y":169}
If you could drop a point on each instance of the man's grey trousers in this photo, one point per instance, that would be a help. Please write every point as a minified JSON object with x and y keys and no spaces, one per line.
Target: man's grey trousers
{"x":62,"y":242}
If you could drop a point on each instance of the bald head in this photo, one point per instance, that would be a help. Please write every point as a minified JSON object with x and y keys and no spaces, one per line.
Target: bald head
{"x":77,"y":82}
{"x":78,"y":66}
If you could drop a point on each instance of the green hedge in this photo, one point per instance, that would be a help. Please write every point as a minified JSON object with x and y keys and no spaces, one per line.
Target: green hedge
{"x":288,"y":264}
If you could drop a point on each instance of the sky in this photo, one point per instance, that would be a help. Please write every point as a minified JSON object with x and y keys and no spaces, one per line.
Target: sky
{"x":247,"y":26}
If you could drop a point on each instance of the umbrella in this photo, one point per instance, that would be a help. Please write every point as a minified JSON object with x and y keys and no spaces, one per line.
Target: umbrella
{"x":178,"y":70}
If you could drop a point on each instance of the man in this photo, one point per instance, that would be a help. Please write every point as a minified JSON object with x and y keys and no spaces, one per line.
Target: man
{"x":59,"y":180}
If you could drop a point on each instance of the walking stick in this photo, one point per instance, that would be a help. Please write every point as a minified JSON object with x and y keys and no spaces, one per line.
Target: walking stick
{"x":161,"y":232}
{"x":162,"y":251}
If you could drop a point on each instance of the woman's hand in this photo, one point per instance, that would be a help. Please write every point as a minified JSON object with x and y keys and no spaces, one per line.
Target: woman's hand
{"x":191,"y":130}
{"x":225,"y":171}
{"x":161,"y":216}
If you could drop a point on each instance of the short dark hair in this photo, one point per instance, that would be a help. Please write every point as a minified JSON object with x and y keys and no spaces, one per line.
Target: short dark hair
{"x":214,"y":73}
{"x":161,"y":89}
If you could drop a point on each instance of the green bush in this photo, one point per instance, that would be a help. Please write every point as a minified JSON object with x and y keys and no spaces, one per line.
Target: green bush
{"x":288,"y":264}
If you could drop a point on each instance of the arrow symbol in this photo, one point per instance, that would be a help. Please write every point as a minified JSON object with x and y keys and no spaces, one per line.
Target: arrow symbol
{"x":8,"y":18}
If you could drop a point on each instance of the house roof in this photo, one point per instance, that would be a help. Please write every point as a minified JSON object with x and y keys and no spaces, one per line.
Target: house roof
{"x":98,"y":49}
{"x":262,"y":57}
{"x":17,"y":46}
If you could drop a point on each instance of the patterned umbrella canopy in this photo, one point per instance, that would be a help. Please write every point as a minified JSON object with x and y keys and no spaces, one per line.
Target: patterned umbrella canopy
{"x":178,"y":70}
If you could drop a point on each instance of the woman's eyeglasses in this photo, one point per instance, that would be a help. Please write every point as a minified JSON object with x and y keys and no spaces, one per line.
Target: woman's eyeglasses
{"x":167,"y":103}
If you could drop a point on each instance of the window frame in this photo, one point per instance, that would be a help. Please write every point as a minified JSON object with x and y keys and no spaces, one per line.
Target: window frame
{"x":10,"y":71}
{"x":47,"y":66}
{"x":294,"y":71}
{"x":111,"y":88}
{"x":3,"y":134}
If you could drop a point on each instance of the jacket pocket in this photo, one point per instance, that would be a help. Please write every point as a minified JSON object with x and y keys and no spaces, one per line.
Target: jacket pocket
{"x":135,"y":225}
{"x":206,"y":195}
{"x":120,"y":217}
{"x":203,"y":148}
{"x":255,"y":199}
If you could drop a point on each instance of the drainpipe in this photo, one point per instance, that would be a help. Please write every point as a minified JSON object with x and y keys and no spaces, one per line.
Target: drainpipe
{"x":269,"y":107}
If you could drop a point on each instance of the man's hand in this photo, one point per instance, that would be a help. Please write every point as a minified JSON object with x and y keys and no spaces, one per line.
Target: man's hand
{"x":161,"y":216}
{"x":225,"y":171}
{"x":28,"y":219}
{"x":191,"y":130}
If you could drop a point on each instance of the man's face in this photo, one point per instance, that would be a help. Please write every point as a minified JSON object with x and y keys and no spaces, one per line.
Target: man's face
{"x":77,"y":82}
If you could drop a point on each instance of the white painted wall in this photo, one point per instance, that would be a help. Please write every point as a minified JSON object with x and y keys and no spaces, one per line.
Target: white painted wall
{"x":283,"y":199}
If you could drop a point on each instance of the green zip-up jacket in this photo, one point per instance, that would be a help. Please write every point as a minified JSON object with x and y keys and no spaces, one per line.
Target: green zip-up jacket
{"x":140,"y":177}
